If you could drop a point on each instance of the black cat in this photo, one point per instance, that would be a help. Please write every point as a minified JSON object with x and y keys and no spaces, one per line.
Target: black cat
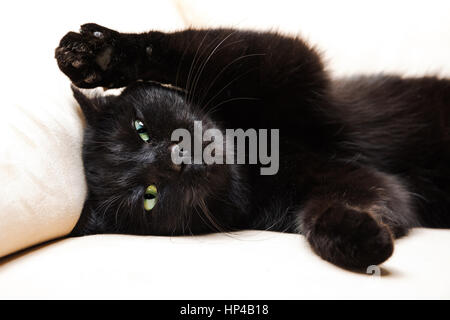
{"x":361,"y":160}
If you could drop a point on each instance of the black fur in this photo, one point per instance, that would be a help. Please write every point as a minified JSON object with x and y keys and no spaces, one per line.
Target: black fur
{"x":362,"y":160}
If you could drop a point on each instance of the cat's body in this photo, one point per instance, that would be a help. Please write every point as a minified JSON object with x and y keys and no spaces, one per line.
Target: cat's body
{"x":361,"y":160}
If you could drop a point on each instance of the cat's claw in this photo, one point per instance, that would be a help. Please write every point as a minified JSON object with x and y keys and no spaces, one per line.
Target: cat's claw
{"x":86,"y":55}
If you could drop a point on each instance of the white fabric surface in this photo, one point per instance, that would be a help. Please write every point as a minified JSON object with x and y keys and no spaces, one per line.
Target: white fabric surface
{"x":43,"y":185}
{"x":246,"y":265}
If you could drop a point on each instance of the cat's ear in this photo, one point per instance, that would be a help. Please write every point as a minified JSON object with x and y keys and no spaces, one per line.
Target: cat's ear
{"x":90,"y":106}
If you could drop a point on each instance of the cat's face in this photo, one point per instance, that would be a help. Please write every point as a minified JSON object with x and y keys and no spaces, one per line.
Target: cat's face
{"x":133,"y":184}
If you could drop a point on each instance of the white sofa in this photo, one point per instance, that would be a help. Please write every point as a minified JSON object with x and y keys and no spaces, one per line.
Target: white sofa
{"x":43,"y":185}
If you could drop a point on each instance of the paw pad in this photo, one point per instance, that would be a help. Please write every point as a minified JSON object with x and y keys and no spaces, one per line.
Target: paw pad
{"x":92,"y":78}
{"x":77,"y":64}
{"x":98,"y":34}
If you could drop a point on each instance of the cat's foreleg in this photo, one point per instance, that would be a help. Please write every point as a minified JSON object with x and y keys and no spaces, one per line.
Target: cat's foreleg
{"x":210,"y":64}
{"x":100,"y":57}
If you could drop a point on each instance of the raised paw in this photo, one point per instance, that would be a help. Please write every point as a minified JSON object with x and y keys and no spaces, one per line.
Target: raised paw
{"x":350,"y":239}
{"x":87,"y":57}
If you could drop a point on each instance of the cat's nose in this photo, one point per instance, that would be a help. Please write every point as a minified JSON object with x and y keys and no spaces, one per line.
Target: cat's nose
{"x":177,"y":156}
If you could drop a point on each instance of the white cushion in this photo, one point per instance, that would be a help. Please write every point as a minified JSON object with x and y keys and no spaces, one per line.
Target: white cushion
{"x":245,"y":265}
{"x":43,"y":186}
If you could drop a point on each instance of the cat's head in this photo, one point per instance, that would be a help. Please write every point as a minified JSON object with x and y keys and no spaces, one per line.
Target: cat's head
{"x":133,"y":184}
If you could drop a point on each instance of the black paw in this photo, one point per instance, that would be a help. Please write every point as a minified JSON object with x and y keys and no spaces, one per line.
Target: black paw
{"x":350,"y":238}
{"x":87,"y":57}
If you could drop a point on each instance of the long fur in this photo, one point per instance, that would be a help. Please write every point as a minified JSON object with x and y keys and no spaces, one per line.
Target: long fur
{"x":362,"y":160}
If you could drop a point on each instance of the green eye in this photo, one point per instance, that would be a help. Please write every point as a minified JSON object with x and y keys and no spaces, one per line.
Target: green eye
{"x":150,"y":197}
{"x":141,"y":130}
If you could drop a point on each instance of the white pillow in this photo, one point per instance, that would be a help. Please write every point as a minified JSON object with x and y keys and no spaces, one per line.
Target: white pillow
{"x":43,"y":186}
